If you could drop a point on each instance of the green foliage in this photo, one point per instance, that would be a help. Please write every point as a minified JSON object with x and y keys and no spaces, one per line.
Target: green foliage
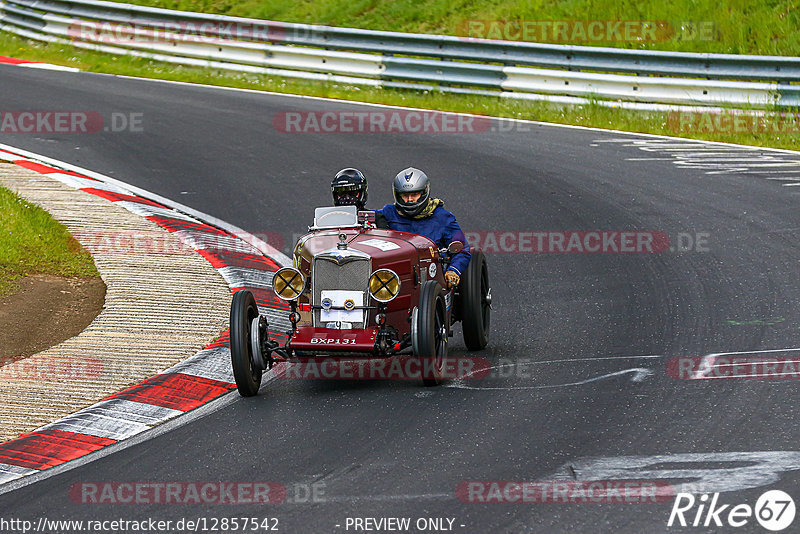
{"x":737,"y":26}
{"x":32,"y":242}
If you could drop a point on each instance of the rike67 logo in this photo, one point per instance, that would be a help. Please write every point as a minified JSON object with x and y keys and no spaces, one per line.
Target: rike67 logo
{"x":774,"y":510}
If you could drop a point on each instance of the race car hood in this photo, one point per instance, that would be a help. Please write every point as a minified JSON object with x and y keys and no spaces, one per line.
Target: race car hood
{"x":388,"y":249}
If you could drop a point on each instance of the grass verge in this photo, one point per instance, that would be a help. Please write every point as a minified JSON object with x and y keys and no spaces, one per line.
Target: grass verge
{"x":32,"y":242}
{"x":775,"y":134}
{"x":733,"y":27}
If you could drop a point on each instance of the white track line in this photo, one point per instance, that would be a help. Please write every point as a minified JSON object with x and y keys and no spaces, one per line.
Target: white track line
{"x":707,"y":362}
{"x":639,"y":374}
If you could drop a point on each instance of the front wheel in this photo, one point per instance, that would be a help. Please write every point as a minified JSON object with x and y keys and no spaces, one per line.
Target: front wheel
{"x":429,"y":333}
{"x":476,"y":303}
{"x":245,"y":370}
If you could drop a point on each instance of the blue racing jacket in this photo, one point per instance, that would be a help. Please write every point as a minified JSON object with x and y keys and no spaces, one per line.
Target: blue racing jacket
{"x":441,"y":228}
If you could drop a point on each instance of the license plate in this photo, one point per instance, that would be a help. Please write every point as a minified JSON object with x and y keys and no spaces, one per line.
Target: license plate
{"x":340,"y":298}
{"x":332,"y":341}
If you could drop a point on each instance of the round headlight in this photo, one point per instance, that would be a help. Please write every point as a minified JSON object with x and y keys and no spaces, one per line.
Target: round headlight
{"x":384,"y":285}
{"x":288,"y":283}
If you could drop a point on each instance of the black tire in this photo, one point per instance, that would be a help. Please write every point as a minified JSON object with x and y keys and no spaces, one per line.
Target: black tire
{"x":430,"y":347}
{"x":248,"y":376}
{"x":476,"y":308}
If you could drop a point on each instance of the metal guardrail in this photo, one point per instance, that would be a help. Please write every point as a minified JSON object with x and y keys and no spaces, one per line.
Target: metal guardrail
{"x":448,"y":63}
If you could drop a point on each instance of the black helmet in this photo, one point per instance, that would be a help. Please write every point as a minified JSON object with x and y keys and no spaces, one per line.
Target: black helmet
{"x":349,"y":188}
{"x":411,"y":180}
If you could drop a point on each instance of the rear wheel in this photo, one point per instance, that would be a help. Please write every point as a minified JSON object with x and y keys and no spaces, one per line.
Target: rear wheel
{"x":245,"y":370}
{"x":476,"y":300}
{"x":429,"y":336}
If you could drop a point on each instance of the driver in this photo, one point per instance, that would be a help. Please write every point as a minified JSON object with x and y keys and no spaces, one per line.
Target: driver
{"x":415,"y":211}
{"x":349,"y":188}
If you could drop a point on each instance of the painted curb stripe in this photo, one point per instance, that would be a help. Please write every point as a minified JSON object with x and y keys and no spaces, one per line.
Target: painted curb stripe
{"x":175,"y":390}
{"x":13,"y":472}
{"x":84,"y":182}
{"x":115,"y":419}
{"x":243,"y":277}
{"x":47,"y":448}
{"x":212,"y":364}
{"x":5,"y":60}
{"x":214,"y":242}
{"x":174,"y":224}
{"x":116,"y":197}
{"x":44,"y":169}
{"x":224,"y":341}
{"x":185,"y":386}
{"x":13,"y":61}
{"x":249,"y":261}
{"x":265,"y":297}
{"x":169,"y":218}
{"x":155,"y":214}
{"x":211,"y":258}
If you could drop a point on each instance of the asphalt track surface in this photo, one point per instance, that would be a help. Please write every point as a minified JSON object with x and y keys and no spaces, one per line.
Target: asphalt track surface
{"x":570,"y":331}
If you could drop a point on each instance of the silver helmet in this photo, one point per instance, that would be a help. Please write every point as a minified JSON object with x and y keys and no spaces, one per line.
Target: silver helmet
{"x":411,"y":180}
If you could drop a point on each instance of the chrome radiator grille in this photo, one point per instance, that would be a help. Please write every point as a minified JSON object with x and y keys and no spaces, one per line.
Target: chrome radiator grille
{"x":352,"y":275}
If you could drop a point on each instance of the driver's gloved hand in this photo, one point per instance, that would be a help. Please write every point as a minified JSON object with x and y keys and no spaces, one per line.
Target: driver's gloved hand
{"x":452,"y":278}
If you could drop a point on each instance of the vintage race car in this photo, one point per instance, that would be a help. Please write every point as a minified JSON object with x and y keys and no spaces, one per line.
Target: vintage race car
{"x":358,"y":291}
